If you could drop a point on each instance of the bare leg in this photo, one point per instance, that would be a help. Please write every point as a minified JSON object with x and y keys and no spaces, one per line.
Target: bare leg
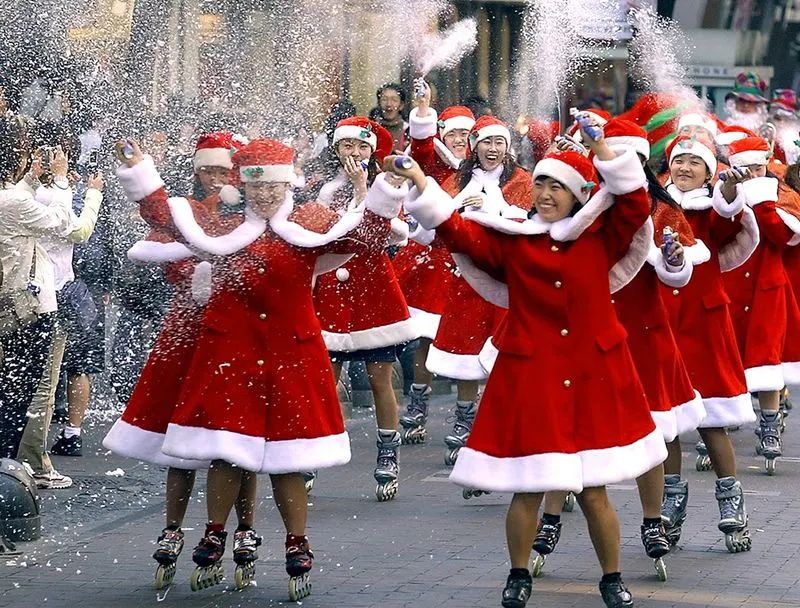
{"x":603,"y":527}
{"x":337,"y":370}
{"x":720,"y":449}
{"x":79,"y":389}
{"x":246,"y":501}
{"x":467,"y":390}
{"x":380,"y":380}
{"x":769,"y":401}
{"x":521,"y":527}
{"x":292,"y":501}
{"x":651,"y":491}
{"x":672,"y":465}
{"x":179,"y":490}
{"x":421,"y":373}
{"x":554,"y":501}
{"x":223,"y":486}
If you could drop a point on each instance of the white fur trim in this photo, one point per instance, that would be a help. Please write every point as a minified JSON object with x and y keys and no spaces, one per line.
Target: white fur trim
{"x":427,"y":323}
{"x":764,"y":378}
{"x":692,"y":200}
{"x":722,"y":412}
{"x":559,"y":471}
{"x":489,"y":288}
{"x":454,"y":366}
{"x":242,"y":236}
{"x":623,"y":174}
{"x":631,"y":263}
{"x":681,"y":418}
{"x":488,"y":356}
{"x":488,"y":131}
{"x":254,"y":453}
{"x":330,"y":261}
{"x":639,"y":144}
{"x":748,"y":157}
{"x":447,"y":157}
{"x":698,"y":120}
{"x":564,"y":173}
{"x":158,"y":253}
{"x":696,"y":254}
{"x":760,"y":190}
{"x":695,"y":148}
{"x":132,"y":442}
{"x":722,"y":206}
{"x":385,"y":200}
{"x":354,"y":132}
{"x":422,"y":127}
{"x":668,"y":274}
{"x":793,"y":224}
{"x":465,"y":123}
{"x":737,"y":252}
{"x":268,"y":173}
{"x":141,"y":180}
{"x":399,"y":233}
{"x":432,"y":206}
{"x":421,"y":235}
{"x":230,"y":195}
{"x":212,"y":157}
{"x":791,"y":373}
{"x":374,"y":337}
{"x":329,"y":189}
{"x":201,"y":283}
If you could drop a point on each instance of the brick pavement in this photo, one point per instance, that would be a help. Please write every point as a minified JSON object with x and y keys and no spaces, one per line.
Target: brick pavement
{"x":429,"y":547}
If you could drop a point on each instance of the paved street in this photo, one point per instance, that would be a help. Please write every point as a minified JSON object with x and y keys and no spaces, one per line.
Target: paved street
{"x":429,"y":547}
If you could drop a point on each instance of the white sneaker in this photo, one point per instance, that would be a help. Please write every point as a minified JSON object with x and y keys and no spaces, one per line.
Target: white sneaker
{"x":52,"y":480}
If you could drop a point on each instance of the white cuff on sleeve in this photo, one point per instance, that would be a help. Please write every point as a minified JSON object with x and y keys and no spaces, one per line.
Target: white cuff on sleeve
{"x":385,"y":200}
{"x":141,"y":180}
{"x":723,"y":207}
{"x":623,"y":174}
{"x":432,"y":206}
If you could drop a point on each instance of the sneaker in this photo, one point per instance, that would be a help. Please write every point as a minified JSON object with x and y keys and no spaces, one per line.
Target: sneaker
{"x":67,"y":446}
{"x":52,"y":480}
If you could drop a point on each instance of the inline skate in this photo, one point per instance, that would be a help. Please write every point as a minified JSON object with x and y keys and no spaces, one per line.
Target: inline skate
{"x":732,"y":515}
{"x":299,"y":561}
{"x":387,"y":469}
{"x":170,"y":545}
{"x":457,"y":439}
{"x":208,"y":555}
{"x":413,"y":421}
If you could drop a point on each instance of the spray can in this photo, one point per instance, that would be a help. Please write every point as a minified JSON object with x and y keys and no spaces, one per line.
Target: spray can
{"x":403,"y":162}
{"x":364,"y":165}
{"x":594,"y":132}
{"x":668,"y":241}
{"x":740,"y":170}
{"x":127,"y":149}
{"x":419,"y":87}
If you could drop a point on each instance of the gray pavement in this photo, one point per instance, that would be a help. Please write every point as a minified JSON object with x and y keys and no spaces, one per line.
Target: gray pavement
{"x":428,"y":547}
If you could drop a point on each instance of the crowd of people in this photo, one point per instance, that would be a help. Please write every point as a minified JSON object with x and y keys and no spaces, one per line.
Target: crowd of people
{"x":594,"y":294}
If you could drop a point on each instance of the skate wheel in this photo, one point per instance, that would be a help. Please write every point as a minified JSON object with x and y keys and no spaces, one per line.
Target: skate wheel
{"x":467,"y":493}
{"x":450,"y":457}
{"x":538,"y":564}
{"x":164,"y":576}
{"x":769,"y":465}
{"x":569,"y":503}
{"x":299,"y":587}
{"x":703,"y":463}
{"x":386,"y":491}
{"x":737,"y":542}
{"x":243,"y":575}
{"x":661,"y":569}
{"x":203,"y":578}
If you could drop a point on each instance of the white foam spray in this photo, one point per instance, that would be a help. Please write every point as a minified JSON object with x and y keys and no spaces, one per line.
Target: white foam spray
{"x":446,"y":49}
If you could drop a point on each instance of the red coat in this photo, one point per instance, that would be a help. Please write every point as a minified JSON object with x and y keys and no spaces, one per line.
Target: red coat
{"x":699,"y":314}
{"x":761,"y":302}
{"x":469,"y":320}
{"x":563,"y":408}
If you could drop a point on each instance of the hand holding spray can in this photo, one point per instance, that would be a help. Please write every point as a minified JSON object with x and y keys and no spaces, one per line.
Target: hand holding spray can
{"x":669,"y":239}
{"x":594,"y":132}
{"x":740,"y":170}
{"x":127,"y":149}
{"x":403,"y":162}
{"x":420,"y":87}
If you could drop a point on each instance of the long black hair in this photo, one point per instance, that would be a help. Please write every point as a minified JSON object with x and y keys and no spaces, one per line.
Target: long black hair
{"x":656,"y":191}
{"x":464,"y":173}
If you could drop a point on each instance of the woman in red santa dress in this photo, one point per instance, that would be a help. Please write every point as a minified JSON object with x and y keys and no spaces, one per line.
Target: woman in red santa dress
{"x":140,"y":432}
{"x":360,"y":307}
{"x":259,"y":395}
{"x":564,"y":408}
{"x":701,"y":321}
{"x":490,"y":180}
{"x":761,"y":301}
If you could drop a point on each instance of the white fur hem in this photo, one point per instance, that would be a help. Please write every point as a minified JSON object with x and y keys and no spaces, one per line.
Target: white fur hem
{"x":669,"y":275}
{"x":453,"y":366}
{"x":422,"y":127}
{"x":793,"y":224}
{"x":427,"y":323}
{"x":722,"y":206}
{"x":254,"y":453}
{"x":242,"y":236}
{"x":791,"y":373}
{"x":764,"y":378}
{"x":737,"y":252}
{"x":696,"y":254}
{"x":152,"y":252}
{"x":141,"y":180}
{"x":446,"y":156}
{"x":629,"y":266}
{"x":432,"y":206}
{"x":375,"y":337}
{"x":623,"y":174}
{"x":681,"y":418}
{"x":488,"y":356}
{"x":559,"y":471}
{"x":132,"y":442}
{"x":385,"y":200}
{"x":398,"y":235}
{"x":212,"y":157}
{"x":722,"y":412}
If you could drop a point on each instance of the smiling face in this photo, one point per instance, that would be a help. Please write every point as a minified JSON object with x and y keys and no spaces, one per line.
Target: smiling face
{"x":456,"y":142}
{"x":757,"y":170}
{"x":264,"y":198}
{"x":491,"y":152}
{"x":552,"y":199}
{"x":213,"y":178}
{"x":688,"y":172}
{"x":355,"y":148}
{"x":390,"y":104}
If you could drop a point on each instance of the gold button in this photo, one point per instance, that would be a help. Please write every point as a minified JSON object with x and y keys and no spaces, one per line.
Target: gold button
{"x":564,"y":332}
{"x":260,"y":362}
{"x":554,"y":248}
{"x":261,"y":271}
{"x":747,"y":309}
{"x":567,"y":383}
{"x":557,"y":284}
{"x":746,"y":275}
{"x":262,"y":316}
{"x":676,"y":292}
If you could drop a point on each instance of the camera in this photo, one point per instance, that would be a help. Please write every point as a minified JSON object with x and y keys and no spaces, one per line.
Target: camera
{"x":92,"y":163}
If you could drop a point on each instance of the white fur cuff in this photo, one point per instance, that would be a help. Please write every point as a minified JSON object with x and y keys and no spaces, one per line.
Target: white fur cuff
{"x":385,"y":200}
{"x":422,"y":127}
{"x":141,"y":180}
{"x":723,"y":207}
{"x":760,"y":190}
{"x":399,"y":233}
{"x":623,"y":174}
{"x":152,"y":252}
{"x":422,"y":236}
{"x":432,"y":206}
{"x":672,"y":276}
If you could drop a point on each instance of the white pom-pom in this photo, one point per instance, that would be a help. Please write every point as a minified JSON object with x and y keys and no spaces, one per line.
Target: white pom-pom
{"x":230,"y":195}
{"x":342,"y":274}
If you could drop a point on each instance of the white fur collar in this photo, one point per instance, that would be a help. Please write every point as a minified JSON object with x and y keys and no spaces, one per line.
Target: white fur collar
{"x":693,"y":200}
{"x":444,"y":153}
{"x":328,"y":190}
{"x":487,"y":185}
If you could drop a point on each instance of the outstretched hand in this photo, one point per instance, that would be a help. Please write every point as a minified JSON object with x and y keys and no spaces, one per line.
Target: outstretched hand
{"x":413,"y":172}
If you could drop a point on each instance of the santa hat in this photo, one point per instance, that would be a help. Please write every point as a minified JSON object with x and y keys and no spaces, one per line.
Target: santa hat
{"x":700,"y":147}
{"x":784,"y":101}
{"x":658,"y":114}
{"x":265,"y":160}
{"x":601,"y":117}
{"x":541,"y":134}
{"x":455,"y":117}
{"x":619,"y":131}
{"x":749,"y":151}
{"x":733,"y":133}
{"x":485,"y":127}
{"x":697,"y":119}
{"x":215,"y":149}
{"x":572,"y":169}
{"x":364,"y":129}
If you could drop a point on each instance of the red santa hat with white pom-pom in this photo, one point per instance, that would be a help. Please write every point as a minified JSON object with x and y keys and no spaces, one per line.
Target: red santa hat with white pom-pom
{"x":215,"y":149}
{"x":572,"y":169}
{"x":262,"y":160}
{"x":486,"y":127}
{"x":619,"y":131}
{"x":455,"y":117}
{"x":749,"y":151}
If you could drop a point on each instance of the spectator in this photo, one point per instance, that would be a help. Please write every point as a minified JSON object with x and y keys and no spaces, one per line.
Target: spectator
{"x":391,"y":103}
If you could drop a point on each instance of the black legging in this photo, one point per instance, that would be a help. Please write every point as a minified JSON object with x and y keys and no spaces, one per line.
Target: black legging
{"x":24,"y":355}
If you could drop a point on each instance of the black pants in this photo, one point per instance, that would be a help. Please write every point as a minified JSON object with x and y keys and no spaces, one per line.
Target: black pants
{"x":24,"y":358}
